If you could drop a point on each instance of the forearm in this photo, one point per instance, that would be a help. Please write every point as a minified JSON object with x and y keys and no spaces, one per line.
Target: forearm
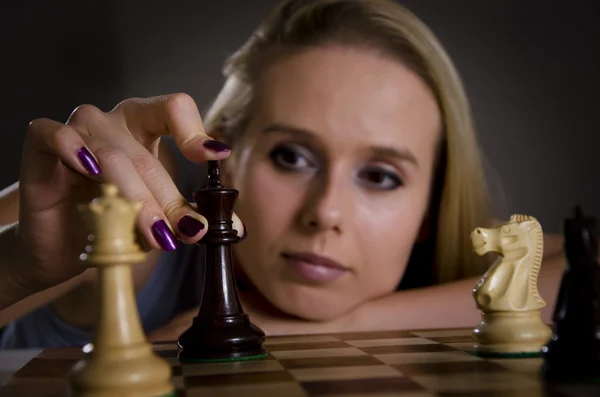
{"x":13,"y":284}
{"x":19,"y":296}
{"x":36,"y":300}
{"x":448,"y":305}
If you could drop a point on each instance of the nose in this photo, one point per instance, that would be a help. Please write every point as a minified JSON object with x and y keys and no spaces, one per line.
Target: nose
{"x":323,"y":209}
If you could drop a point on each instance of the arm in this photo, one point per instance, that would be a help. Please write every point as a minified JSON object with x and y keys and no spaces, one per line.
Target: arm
{"x":18,"y":296}
{"x":72,"y":299}
{"x":12,"y":285}
{"x":449,"y":305}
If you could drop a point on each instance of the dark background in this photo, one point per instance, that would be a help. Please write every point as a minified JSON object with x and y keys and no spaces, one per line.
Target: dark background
{"x":529,"y":67}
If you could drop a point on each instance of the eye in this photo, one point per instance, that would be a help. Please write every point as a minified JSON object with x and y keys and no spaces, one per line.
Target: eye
{"x":290,"y":157}
{"x":380,"y":178}
{"x":506,"y":229}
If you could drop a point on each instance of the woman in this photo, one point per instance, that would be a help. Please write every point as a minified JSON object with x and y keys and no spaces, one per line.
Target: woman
{"x":359,"y":174}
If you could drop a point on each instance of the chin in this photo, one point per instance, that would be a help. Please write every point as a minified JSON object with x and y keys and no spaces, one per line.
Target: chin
{"x":311,"y":303}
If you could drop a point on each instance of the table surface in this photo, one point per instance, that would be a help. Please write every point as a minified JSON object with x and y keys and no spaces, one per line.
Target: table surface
{"x":426,"y":363}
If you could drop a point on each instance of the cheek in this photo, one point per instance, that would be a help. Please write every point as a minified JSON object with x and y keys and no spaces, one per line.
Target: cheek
{"x":267,"y":205}
{"x":389,"y":229}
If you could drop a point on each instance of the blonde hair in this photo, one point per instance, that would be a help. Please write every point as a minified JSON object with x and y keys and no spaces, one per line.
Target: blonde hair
{"x":461,"y":202}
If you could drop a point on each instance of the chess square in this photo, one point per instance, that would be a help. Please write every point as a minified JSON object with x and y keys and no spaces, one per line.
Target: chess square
{"x":169,"y":346}
{"x":344,"y":373}
{"x":453,"y":339}
{"x":239,"y":367}
{"x":288,"y":389}
{"x":351,"y":387}
{"x":503,"y":393}
{"x":374,"y":335}
{"x":278,"y":340}
{"x":425,"y":357}
{"x":390,"y":342}
{"x":63,"y":353}
{"x":324,"y":362}
{"x":443,"y":333}
{"x":448,"y":368}
{"x":463,"y":346}
{"x":307,"y":346}
{"x":432,"y":347}
{"x":243,"y":378}
{"x":523,"y":365}
{"x":477,"y":382}
{"x":313,"y":353}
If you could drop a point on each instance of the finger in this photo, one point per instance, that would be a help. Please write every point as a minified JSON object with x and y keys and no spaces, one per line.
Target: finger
{"x":176,"y":115}
{"x":238,"y":225}
{"x":49,"y":144}
{"x":166,"y":216}
{"x":117,"y":168}
{"x":152,"y":179}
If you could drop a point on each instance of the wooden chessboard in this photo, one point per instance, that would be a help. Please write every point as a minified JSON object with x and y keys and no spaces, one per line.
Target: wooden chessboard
{"x":404,"y":364}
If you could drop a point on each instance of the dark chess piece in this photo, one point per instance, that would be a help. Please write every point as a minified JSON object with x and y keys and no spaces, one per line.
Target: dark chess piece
{"x":221,"y":331}
{"x":573,"y":353}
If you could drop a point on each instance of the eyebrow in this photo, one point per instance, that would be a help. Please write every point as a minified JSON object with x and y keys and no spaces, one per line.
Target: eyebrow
{"x":378,"y":151}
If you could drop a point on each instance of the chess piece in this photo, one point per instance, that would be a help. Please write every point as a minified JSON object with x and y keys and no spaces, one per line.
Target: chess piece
{"x":573,"y":353}
{"x":507,"y":294}
{"x":221,"y":331}
{"x":119,"y":361}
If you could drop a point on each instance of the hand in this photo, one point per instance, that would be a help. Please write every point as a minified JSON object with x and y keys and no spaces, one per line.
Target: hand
{"x":63,"y":164}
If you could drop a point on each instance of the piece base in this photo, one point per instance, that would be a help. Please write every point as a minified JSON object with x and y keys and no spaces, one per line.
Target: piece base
{"x":238,"y":339}
{"x":505,"y":355}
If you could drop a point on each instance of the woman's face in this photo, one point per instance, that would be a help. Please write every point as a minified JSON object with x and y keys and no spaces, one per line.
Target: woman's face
{"x":334,"y":178}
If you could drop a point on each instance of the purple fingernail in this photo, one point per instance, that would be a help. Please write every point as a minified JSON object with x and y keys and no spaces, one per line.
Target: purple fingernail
{"x":88,"y":161}
{"x":164,"y":236}
{"x":216,"y":146}
{"x":245,"y":233}
{"x":190,"y":226}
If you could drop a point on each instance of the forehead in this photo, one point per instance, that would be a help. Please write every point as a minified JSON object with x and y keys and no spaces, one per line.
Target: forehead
{"x":349,"y":93}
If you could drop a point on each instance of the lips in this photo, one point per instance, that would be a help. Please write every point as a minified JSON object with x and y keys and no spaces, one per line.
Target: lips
{"x":314,"y":268}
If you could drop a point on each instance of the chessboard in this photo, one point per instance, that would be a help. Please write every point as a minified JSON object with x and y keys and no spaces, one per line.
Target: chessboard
{"x":429,"y":363}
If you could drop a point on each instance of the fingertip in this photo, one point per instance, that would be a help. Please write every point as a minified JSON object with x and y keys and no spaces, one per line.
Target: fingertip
{"x":164,"y":236}
{"x":204,"y":148}
{"x":88,"y":161}
{"x":240,"y":227}
{"x":192,"y":226}
{"x":216,"y":147}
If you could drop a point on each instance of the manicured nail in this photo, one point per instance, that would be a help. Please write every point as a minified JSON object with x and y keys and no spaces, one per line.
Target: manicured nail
{"x":245,"y":233}
{"x":164,"y":236}
{"x":216,"y":146}
{"x":190,"y":226}
{"x":88,"y":161}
